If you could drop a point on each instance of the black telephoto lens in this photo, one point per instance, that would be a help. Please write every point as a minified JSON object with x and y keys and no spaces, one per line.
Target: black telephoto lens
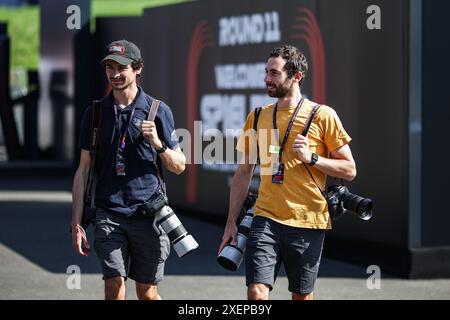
{"x":361,"y":206}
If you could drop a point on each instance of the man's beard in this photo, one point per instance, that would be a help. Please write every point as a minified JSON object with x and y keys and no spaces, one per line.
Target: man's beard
{"x":282,"y":90}
{"x":122,"y":86}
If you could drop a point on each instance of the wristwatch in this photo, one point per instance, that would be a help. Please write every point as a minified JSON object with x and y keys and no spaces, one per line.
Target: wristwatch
{"x":314,"y":159}
{"x":162,"y":150}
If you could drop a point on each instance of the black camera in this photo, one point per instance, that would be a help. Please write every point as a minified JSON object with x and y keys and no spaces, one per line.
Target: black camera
{"x":249,"y":201}
{"x":232,"y":255}
{"x":157,"y":201}
{"x":340,"y":201}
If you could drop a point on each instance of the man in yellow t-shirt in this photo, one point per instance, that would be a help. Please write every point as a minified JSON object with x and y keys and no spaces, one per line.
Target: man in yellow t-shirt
{"x":291,"y":214}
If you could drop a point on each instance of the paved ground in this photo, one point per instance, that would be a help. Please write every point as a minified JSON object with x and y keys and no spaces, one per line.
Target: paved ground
{"x":35,"y":254}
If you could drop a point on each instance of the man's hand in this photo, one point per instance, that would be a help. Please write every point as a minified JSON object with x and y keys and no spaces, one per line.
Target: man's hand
{"x":148,"y":129}
{"x":80,"y":242}
{"x":301,"y":148}
{"x":229,"y":236}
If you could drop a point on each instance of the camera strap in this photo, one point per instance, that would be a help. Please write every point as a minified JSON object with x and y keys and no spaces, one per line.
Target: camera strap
{"x":305,"y":133}
{"x":151,"y":117}
{"x":94,"y":135}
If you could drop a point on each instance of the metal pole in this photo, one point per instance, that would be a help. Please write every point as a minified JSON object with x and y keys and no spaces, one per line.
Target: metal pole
{"x":31,"y":116}
{"x":10,"y":134}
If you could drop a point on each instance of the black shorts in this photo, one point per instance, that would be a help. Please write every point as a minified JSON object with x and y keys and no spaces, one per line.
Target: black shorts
{"x":271,"y":243}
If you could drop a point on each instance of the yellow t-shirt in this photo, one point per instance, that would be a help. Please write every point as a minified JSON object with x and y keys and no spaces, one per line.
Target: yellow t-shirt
{"x":297,"y":202}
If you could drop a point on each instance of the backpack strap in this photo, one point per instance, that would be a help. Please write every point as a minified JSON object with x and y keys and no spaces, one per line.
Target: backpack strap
{"x":153,"y":110}
{"x":251,"y":198}
{"x":151,"y":117}
{"x":255,"y":127}
{"x":94,"y":135}
{"x":255,"y":122}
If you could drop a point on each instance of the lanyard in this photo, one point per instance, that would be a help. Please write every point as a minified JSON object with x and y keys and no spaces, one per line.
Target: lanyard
{"x":124,"y":132}
{"x":289,"y":128}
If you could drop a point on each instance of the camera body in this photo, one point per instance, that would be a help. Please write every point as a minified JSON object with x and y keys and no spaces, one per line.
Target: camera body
{"x":154,"y":205}
{"x":232,"y":255}
{"x":341,"y":201}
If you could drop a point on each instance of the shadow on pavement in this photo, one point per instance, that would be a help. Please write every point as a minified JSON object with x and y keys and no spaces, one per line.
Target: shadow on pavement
{"x":39,"y":232}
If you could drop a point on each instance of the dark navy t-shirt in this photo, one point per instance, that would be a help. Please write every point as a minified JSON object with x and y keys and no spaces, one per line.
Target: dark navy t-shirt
{"x":123,"y":194}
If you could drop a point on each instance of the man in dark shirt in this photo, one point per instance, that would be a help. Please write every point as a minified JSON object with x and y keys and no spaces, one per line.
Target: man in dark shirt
{"x":130,"y":150}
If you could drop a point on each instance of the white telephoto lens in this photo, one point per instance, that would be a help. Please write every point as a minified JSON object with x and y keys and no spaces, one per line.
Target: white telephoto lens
{"x":185,"y":245}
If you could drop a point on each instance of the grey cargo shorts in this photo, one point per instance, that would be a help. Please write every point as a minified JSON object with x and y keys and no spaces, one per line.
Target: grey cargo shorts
{"x":130,"y":247}
{"x":271,"y":243}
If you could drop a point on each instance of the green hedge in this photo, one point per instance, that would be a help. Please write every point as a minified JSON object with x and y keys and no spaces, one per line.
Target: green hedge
{"x":103,"y":8}
{"x":23,"y":30}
